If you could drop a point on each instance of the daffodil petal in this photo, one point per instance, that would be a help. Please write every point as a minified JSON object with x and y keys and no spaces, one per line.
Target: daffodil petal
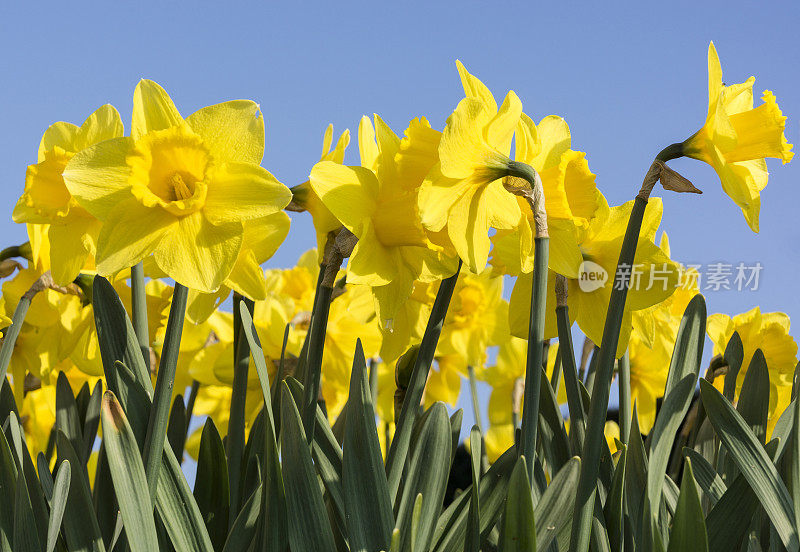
{"x":247,"y":277}
{"x":473,"y":87}
{"x":243,"y":191}
{"x":265,"y":235}
{"x":153,"y":109}
{"x":70,"y":247}
{"x":131,"y":232}
{"x":201,"y":306}
{"x":349,"y":193}
{"x":104,"y":124}
{"x":197,"y":253}
{"x":59,"y":134}
{"x":97,"y":177}
{"x":233,"y":131}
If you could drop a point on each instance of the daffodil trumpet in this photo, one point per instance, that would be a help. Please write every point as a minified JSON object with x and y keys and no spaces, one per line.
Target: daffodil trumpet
{"x":139,"y":311}
{"x":396,"y":456}
{"x":162,"y":394}
{"x":584,"y":500}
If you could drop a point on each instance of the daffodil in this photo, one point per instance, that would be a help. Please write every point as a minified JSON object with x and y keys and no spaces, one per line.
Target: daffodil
{"x":70,"y":228}
{"x":768,"y":331}
{"x":462,"y":193}
{"x":444,"y":380}
{"x":736,"y":138}
{"x":380,"y":209}
{"x":38,"y":416}
{"x":180,"y":189}
{"x":652,"y":278}
{"x":409,"y":322}
{"x":571,"y":200}
{"x":305,"y":198}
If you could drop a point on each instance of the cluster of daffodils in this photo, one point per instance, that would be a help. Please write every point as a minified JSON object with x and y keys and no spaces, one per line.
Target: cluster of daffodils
{"x":185,"y":201}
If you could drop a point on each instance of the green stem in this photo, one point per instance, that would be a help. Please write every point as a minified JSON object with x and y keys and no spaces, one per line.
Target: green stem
{"x":625,"y":397}
{"x":316,"y":346}
{"x":373,"y":380}
{"x":555,"y":379}
{"x":473,"y":391}
{"x":139,"y":303}
{"x":533,"y":369}
{"x":590,"y":459}
{"x":162,"y":395}
{"x":235,"y":442}
{"x":14,"y":251}
{"x":672,"y":151}
{"x":398,"y":451}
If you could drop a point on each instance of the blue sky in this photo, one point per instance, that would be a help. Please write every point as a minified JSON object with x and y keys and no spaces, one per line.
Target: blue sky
{"x":627,"y":79}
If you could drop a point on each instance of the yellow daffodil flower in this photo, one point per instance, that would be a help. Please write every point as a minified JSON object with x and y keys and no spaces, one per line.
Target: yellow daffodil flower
{"x":768,"y":331}
{"x":38,"y":416}
{"x":409,"y":322}
{"x":71,"y":229}
{"x":179,"y":189}
{"x":651,"y":279}
{"x":571,"y":200}
{"x":444,"y":380}
{"x":736,"y":138}
{"x":306,"y":198}
{"x":462,"y":192}
{"x":372,"y":202}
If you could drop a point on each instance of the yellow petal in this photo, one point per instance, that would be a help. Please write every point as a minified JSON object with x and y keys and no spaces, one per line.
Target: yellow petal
{"x":371,"y":263}
{"x":152,"y":109}
{"x":243,"y":191}
{"x":104,"y":124}
{"x":462,"y":147}
{"x":97,"y":177}
{"x":348,"y":192}
{"x":367,"y":147}
{"x":473,"y":87}
{"x":468,"y":229}
{"x":555,"y":139}
{"x":501,"y":128}
{"x":70,"y":246}
{"x":715,"y":84}
{"x":247,"y":277}
{"x":201,"y":306}
{"x":197,"y":253}
{"x":233,"y":131}
{"x":131,"y":232}
{"x":526,"y":140}
{"x":437,"y":194}
{"x":265,"y":235}
{"x":565,"y":254}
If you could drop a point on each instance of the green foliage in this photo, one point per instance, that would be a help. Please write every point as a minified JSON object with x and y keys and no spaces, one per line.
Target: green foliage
{"x":300,"y":488}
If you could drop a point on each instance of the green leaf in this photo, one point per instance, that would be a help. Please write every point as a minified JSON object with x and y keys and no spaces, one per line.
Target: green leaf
{"x":729,"y":519}
{"x":753,"y":402}
{"x":554,"y":510}
{"x":706,"y":477}
{"x":274,"y":528}
{"x":116,"y":336}
{"x":244,"y":528}
{"x":26,"y":538}
{"x":81,"y":531}
{"x":367,"y":505}
{"x":11,"y":334}
{"x":428,"y":471}
{"x":518,"y":530}
{"x":310,"y":529}
{"x":26,"y":468}
{"x":176,"y":428}
{"x":734,"y":356}
{"x":91,"y":419}
{"x":574,"y":400}
{"x":553,"y":436}
{"x":688,"y":527}
{"x":67,"y":419}
{"x":127,"y":472}
{"x":234,"y":442}
{"x":57,"y":505}
{"x":614,"y":509}
{"x":397,"y":454}
{"x":211,"y":484}
{"x":162,"y":395}
{"x":752,"y":460}
{"x":451,"y":527}
{"x":45,"y":477}
{"x":473,"y":543}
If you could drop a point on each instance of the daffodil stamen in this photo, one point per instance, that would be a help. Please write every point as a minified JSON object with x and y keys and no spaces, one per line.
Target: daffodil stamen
{"x":181,"y":189}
